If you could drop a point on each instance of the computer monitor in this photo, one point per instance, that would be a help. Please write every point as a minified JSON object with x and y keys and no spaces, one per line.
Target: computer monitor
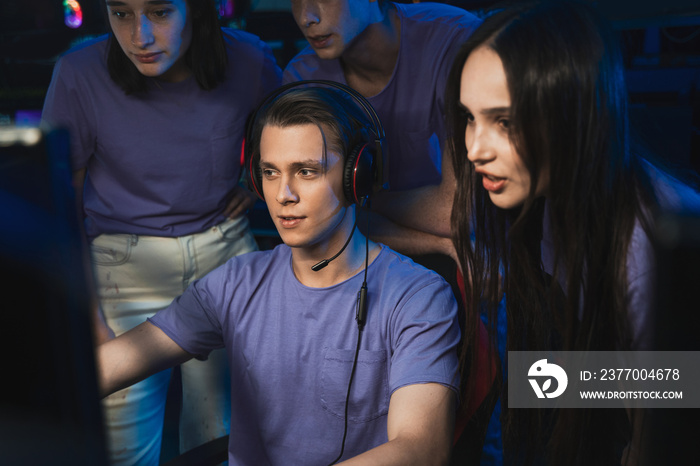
{"x":50,"y":409}
{"x":673,"y":432}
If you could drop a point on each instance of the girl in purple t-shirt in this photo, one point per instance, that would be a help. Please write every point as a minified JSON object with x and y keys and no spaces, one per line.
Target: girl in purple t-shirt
{"x":156,"y":112}
{"x":554,"y":208}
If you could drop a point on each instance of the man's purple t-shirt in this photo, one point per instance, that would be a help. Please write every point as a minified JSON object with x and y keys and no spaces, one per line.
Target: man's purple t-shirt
{"x":291,"y":347}
{"x":164,"y":164}
{"x":411,"y":106}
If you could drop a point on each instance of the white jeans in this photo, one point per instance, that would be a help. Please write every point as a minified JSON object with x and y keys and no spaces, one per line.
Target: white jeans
{"x":136,"y":276}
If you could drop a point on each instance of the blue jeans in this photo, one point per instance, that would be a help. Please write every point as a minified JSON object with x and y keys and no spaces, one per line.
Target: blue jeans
{"x":135,"y":277}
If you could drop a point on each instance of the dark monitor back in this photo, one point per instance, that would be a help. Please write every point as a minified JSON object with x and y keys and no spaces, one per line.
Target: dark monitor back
{"x":678,"y":293}
{"x":673,"y":433}
{"x":49,"y":408}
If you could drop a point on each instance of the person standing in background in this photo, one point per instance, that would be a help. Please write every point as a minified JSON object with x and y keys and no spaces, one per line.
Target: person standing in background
{"x":156,"y":112}
{"x":397,"y":56}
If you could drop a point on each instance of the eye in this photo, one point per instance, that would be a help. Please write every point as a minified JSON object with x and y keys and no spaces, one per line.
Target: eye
{"x":118,"y":14}
{"x":504,"y":123}
{"x":161,"y":14}
{"x":307,"y":172}
{"x":464,"y":114}
{"x":268,"y":173}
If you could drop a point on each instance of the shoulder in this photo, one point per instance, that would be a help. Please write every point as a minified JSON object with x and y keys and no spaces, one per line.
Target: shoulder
{"x":241,"y":275}
{"x":402,"y":278}
{"x":394,"y":259}
{"x":439,"y":16}
{"x":243,"y":47}
{"x":83,"y":69}
{"x":431,"y":35}
{"x":672,"y":194}
{"x":237,"y":39}
{"x":307,"y":65}
{"x":256,"y":264}
{"x":86,"y":54}
{"x":251,"y":63}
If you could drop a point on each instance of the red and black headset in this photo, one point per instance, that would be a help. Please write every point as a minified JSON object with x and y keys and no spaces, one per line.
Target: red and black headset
{"x":364,"y":165}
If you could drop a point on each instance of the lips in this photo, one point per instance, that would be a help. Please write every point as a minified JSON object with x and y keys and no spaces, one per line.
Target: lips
{"x":289,"y":222}
{"x":147,"y":57}
{"x":319,"y":41}
{"x":492,"y":183}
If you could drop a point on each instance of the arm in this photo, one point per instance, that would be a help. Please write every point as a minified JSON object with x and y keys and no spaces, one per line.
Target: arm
{"x":241,"y":200}
{"x":427,"y":209}
{"x":135,"y":355}
{"x":101,"y":332}
{"x":419,"y":428}
{"x":78,"y":185}
{"x":403,"y":239}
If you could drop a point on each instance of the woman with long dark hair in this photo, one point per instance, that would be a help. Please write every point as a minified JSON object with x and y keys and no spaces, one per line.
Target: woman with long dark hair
{"x":157,"y":112}
{"x":554,"y":209}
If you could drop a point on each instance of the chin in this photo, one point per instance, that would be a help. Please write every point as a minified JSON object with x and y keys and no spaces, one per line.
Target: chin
{"x":293,"y":241}
{"x":149,"y":72}
{"x":506,"y":204}
{"x":328,"y":53}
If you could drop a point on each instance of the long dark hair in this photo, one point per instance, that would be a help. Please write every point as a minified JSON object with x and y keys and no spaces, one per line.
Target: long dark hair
{"x":206,"y":55}
{"x":569,"y":122}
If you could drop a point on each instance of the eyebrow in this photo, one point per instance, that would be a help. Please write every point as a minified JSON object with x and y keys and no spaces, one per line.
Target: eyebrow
{"x":487,"y":111}
{"x":495,"y":111}
{"x":310,"y":163}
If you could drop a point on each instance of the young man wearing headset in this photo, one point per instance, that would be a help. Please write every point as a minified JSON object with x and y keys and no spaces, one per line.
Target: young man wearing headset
{"x":355,"y":362}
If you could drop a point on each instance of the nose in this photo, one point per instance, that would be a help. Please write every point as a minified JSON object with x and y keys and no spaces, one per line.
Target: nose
{"x":306,"y":13}
{"x":142,"y":32}
{"x":478,"y":144}
{"x":286,"y":193}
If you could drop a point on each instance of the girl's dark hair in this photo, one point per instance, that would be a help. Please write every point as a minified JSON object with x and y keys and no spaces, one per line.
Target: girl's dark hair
{"x":206,"y":56}
{"x":343,"y":124}
{"x":568,"y":122}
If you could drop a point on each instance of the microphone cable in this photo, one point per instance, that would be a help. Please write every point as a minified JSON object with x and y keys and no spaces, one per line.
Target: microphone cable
{"x":319,"y":265}
{"x":360,"y":317}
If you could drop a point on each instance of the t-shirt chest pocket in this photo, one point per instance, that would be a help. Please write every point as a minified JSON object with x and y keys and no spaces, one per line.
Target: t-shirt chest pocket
{"x":369,"y":396}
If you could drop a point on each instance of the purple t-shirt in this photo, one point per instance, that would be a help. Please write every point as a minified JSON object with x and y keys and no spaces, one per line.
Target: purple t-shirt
{"x":672,"y":196}
{"x":164,"y":164}
{"x":291,"y":347}
{"x":411,"y":106}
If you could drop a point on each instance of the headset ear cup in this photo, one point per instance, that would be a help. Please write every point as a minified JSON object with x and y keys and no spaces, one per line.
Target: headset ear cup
{"x":255,"y":178}
{"x":358,"y":178}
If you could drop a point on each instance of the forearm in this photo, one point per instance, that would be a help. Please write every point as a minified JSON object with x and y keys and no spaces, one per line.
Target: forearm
{"x":426,"y":209}
{"x":100,"y":330}
{"x":135,"y":355}
{"x":420,"y":426}
{"x":403,"y":239}
{"x":402,"y":452}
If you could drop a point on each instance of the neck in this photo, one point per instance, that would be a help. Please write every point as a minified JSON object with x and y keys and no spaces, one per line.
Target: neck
{"x":347,"y":264}
{"x":368,"y":63}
